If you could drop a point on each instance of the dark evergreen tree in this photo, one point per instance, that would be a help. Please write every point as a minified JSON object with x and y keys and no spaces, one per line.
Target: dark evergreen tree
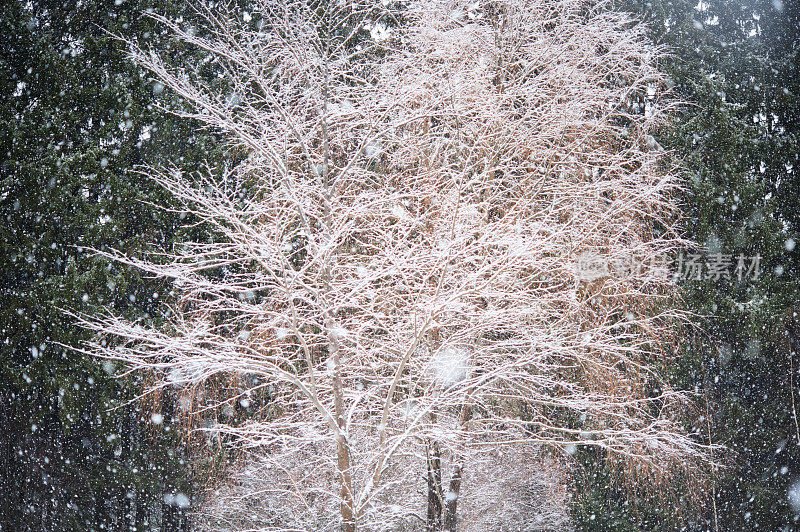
{"x":75,"y":118}
{"x":737,"y":64}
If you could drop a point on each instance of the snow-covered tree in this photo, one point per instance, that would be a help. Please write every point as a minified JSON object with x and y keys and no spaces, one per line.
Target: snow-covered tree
{"x":395,"y":278}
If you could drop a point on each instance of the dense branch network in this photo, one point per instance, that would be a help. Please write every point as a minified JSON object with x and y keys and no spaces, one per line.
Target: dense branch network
{"x":393,"y":268}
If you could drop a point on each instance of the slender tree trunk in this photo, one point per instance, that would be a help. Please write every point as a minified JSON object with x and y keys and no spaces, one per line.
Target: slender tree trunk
{"x":342,"y":444}
{"x":451,"y":498}
{"x":347,"y":506}
{"x":434,"y":514}
{"x":454,"y":490}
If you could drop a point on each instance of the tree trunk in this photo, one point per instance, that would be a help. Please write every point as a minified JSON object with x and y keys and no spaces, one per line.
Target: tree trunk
{"x":347,"y":506}
{"x":434,"y":515}
{"x":451,"y":499}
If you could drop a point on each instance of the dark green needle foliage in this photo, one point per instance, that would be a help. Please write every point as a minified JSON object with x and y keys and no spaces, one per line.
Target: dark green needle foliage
{"x":75,"y":117}
{"x":738,"y":64}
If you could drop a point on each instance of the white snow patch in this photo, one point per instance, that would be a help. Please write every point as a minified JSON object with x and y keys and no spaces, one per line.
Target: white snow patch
{"x":794,"y":496}
{"x":450,"y":365}
{"x":399,"y":212}
{"x":338,"y":332}
{"x":109,"y":367}
{"x":177,"y":499}
{"x":373,"y":149}
{"x":379,"y":32}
